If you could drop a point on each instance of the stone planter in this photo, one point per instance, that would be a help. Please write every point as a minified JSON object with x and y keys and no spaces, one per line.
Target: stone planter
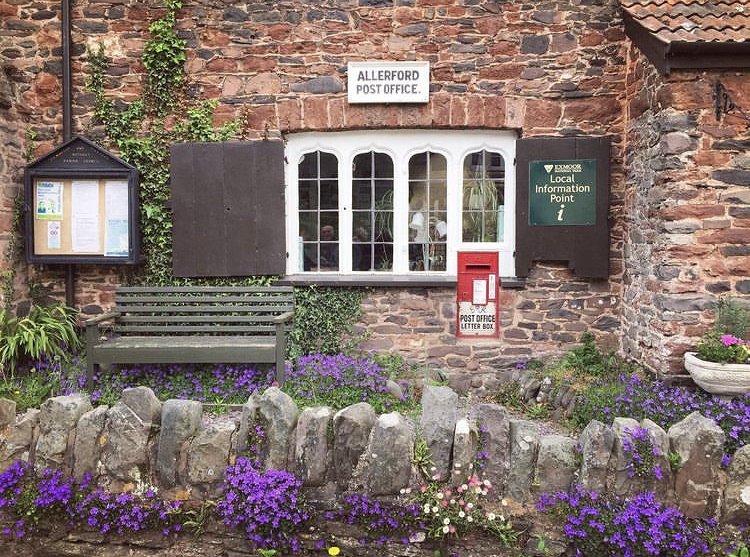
{"x":718,"y":379}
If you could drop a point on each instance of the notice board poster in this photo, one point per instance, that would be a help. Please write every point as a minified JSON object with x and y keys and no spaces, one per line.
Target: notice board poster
{"x":81,"y":217}
{"x":562,"y":192}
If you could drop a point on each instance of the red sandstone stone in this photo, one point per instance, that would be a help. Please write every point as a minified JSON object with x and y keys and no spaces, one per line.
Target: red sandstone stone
{"x":542,"y":113}
{"x":315,"y":113}
{"x":683,"y":212}
{"x":602,"y":110}
{"x":726,"y":236}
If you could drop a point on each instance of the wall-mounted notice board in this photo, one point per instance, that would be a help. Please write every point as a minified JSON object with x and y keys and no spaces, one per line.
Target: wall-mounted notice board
{"x":81,"y":207}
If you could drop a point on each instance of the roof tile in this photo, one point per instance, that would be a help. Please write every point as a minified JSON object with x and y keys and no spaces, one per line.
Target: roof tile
{"x":692,"y":20}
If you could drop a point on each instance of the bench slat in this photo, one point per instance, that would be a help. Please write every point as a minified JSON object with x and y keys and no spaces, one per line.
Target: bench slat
{"x":201,"y":289}
{"x":237,"y":330}
{"x":221,"y":300}
{"x":167,"y":309}
{"x":218,"y":319}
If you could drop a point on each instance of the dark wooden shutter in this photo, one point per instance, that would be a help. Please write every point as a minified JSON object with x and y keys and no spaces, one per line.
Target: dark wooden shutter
{"x":584,"y":247}
{"x":228,"y":209}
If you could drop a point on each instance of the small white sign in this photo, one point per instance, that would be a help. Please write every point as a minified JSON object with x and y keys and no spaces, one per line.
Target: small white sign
{"x":388,"y":82}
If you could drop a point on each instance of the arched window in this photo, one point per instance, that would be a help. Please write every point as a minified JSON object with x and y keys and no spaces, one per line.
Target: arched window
{"x":482,"y":216}
{"x":318,"y":195}
{"x":372,"y":212}
{"x":428,"y":214}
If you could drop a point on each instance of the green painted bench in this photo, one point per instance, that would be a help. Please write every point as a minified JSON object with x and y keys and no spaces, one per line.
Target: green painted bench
{"x":201,"y":324}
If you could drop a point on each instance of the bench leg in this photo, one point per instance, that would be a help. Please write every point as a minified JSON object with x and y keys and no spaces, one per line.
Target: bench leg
{"x":280,"y":354}
{"x":90,"y":368}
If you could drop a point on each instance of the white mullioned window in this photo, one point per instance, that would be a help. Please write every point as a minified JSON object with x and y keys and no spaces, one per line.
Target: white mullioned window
{"x":399,"y":202}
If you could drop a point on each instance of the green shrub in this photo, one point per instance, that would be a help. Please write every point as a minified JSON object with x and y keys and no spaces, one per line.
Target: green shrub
{"x":47,"y":331}
{"x":588,"y":360}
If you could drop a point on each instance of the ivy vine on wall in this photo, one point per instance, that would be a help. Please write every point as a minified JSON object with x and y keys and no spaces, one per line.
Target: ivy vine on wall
{"x":142,"y":132}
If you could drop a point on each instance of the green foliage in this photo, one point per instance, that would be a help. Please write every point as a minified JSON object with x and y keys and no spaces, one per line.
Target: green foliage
{"x":13,"y":251}
{"x":143,"y":130}
{"x":47,"y":331}
{"x":324,"y":320}
{"x":588,"y":360}
{"x":675,"y":461}
{"x":163,"y":58}
{"x":723,"y":349}
{"x":732,"y":318}
{"x":741,"y":551}
{"x":422,"y":458}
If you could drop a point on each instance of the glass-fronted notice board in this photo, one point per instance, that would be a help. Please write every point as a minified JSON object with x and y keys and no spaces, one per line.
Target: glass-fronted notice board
{"x":81,"y":206}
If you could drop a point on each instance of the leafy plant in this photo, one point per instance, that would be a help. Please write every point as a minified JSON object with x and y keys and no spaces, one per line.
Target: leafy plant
{"x":732,"y":318}
{"x":47,"y":331}
{"x":723,"y":348}
{"x":588,"y":360}
{"x":324,"y":319}
{"x":675,"y":461}
{"x":741,"y":551}
{"x":449,"y":510}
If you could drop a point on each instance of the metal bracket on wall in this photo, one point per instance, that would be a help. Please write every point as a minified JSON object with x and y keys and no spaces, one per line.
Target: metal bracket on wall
{"x":724,"y":104}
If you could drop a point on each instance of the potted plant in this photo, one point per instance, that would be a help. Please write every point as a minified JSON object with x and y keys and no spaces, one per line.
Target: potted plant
{"x":721,"y":362}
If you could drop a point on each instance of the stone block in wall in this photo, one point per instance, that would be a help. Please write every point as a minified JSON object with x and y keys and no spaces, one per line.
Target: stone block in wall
{"x":700,"y":444}
{"x":143,"y":402}
{"x":596,"y":444}
{"x":621,"y":460}
{"x":351,"y":433}
{"x":556,"y":463}
{"x":57,"y":421}
{"x":385,"y":467}
{"x":17,"y":441}
{"x":737,"y":492}
{"x":208,"y":455}
{"x":277,"y":415}
{"x":494,"y":439}
{"x":7,"y":413}
{"x":465,"y":444}
{"x":180,"y":420}
{"x":87,"y":448}
{"x":524,"y":447}
{"x":125,"y":443}
{"x":311,"y":448}
{"x":660,"y":442}
{"x":438,"y":423}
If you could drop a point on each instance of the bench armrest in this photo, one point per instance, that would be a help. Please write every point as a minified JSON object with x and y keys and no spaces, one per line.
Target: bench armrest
{"x":284,"y":317}
{"x":100,"y":319}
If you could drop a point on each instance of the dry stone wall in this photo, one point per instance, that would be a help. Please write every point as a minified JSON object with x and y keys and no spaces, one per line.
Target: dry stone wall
{"x":172,"y":445}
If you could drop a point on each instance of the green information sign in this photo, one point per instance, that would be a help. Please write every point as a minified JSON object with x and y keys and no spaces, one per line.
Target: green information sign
{"x":562,"y":192}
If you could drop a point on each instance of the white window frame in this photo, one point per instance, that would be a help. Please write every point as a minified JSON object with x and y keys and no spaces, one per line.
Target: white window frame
{"x":401,"y":145}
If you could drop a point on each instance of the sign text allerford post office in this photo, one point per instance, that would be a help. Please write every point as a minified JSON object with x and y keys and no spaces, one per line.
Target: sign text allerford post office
{"x":388,"y":82}
{"x":562,"y":192}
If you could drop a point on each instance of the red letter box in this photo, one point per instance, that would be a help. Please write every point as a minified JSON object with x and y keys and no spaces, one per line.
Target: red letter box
{"x":476,"y":296}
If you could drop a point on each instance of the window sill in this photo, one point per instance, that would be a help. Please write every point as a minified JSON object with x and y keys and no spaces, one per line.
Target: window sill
{"x":384,"y":280}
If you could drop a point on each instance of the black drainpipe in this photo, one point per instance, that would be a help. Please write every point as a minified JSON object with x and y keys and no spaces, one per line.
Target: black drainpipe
{"x":66,"y":79}
{"x":67,"y":108}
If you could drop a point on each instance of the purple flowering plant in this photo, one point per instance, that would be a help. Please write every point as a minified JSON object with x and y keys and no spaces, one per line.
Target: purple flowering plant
{"x":637,"y":444}
{"x":340,"y":380}
{"x":597,"y":525}
{"x":635,"y":397}
{"x":268,"y":505}
{"x":28,"y":499}
{"x":381,"y":521}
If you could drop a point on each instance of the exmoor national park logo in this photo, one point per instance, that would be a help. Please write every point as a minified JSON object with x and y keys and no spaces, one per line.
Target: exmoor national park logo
{"x":562,"y":192}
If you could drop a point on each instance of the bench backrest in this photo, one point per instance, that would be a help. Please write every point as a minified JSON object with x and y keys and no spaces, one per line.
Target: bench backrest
{"x":207,"y":310}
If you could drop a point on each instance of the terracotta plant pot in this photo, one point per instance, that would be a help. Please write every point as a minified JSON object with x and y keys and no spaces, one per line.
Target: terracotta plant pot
{"x":718,"y":379}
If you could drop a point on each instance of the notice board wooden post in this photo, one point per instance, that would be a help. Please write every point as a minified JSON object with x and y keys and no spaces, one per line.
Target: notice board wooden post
{"x":81,"y":207}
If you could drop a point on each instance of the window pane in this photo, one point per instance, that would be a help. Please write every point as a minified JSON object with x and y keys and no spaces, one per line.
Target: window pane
{"x":361,"y":194}
{"x":483,"y":197}
{"x":372,"y":218}
{"x":318,"y":227}
{"x":427,"y":212}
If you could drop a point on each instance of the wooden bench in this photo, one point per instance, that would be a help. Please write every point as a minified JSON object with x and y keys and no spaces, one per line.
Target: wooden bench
{"x":159,"y":325}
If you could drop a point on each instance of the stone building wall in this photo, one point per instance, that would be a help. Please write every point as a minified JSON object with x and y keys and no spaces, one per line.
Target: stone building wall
{"x":280,"y":67}
{"x":688,"y":224}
